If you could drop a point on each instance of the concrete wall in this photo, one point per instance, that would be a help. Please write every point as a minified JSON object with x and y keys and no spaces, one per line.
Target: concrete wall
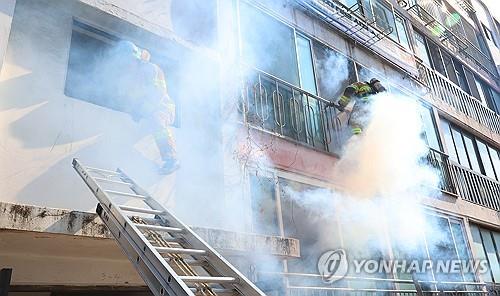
{"x":42,"y":129}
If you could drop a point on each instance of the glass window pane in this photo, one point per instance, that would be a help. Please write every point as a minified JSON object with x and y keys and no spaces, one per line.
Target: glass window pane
{"x":331,"y":84}
{"x":307,"y":81}
{"x":367,"y":9}
{"x":402,"y":34}
{"x":491,"y":254}
{"x":496,"y":238}
{"x":270,"y":46}
{"x":264,"y":215}
{"x":485,"y":159}
{"x":300,"y":222}
{"x":496,"y":161}
{"x":431,"y":136}
{"x":448,"y":140}
{"x":462,"y":81}
{"x":471,"y":151}
{"x":437,"y":61}
{"x":450,"y":69}
{"x":471,"y":83}
{"x":462,"y":246}
{"x":477,"y":247}
{"x":441,"y":247}
{"x":459,"y":145}
{"x":421,"y":49}
{"x":496,"y":100}
{"x":481,"y":91}
{"x":385,"y":18}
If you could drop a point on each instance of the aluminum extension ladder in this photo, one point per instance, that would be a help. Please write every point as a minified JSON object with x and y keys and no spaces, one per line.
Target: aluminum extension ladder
{"x":169,"y":256}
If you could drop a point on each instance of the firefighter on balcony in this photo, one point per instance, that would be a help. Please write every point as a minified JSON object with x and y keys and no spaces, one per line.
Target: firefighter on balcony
{"x":362,"y":91}
{"x":148,"y":99}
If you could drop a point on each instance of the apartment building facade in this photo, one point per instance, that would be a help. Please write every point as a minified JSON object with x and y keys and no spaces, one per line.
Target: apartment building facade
{"x":250,"y":80}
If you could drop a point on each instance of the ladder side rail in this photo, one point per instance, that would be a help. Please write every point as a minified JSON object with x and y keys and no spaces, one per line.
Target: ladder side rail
{"x":134,"y":236}
{"x":220,"y":264}
{"x":159,"y":285}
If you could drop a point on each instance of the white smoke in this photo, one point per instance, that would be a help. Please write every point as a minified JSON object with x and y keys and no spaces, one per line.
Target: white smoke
{"x":380,"y":180}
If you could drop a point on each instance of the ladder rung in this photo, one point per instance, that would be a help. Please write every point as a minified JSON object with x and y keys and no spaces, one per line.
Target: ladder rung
{"x":125,"y":194}
{"x":112,"y":181}
{"x":158,"y":228}
{"x":140,"y":210}
{"x":169,"y":240}
{"x":190,"y":262}
{"x":216,"y":291}
{"x":207,"y":279}
{"x":180,"y":251}
{"x":104,"y":171}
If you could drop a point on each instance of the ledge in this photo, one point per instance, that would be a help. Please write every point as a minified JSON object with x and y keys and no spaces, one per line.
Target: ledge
{"x":83,"y":224}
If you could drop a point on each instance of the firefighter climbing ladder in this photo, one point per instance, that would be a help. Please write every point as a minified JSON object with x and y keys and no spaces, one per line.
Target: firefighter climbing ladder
{"x":169,"y":256}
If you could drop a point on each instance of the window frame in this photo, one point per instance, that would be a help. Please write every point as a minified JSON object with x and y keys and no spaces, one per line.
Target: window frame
{"x":297,"y":35}
{"x":405,"y":28}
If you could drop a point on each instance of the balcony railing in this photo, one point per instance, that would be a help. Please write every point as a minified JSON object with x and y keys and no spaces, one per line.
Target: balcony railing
{"x":274,"y":105}
{"x":357,"y":21}
{"x":441,"y":163}
{"x":442,"y":89}
{"x":448,"y":28}
{"x":476,"y":188}
{"x":467,"y":184}
{"x":308,"y":284}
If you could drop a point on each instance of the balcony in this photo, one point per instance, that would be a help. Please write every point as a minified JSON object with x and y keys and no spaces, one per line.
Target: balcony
{"x":440,"y":161}
{"x":311,"y":284}
{"x":441,"y":89}
{"x":448,"y":27}
{"x":467,"y":184}
{"x":276,"y":106}
{"x":357,"y":20}
{"x":476,"y":188}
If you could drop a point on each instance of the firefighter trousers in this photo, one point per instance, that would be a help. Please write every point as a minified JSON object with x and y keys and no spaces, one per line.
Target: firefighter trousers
{"x":360,"y":116}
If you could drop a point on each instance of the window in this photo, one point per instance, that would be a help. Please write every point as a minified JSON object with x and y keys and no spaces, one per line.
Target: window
{"x":421,"y":48}
{"x":268,"y":46}
{"x":472,"y":153}
{"x":459,"y":72}
{"x":450,"y":68}
{"x":437,"y":60}
{"x":442,"y":246}
{"x":495,"y":159}
{"x":264,"y":212}
{"x":307,"y":80}
{"x":299,"y":222}
{"x":88,"y":52}
{"x":331,"y":82}
{"x":367,"y":8}
{"x":96,"y":71}
{"x":402,"y":32}
{"x":486,"y":245}
{"x":460,"y":147}
{"x":485,"y":159}
{"x":495,"y":97}
{"x":448,"y":139}
{"x":481,"y":91}
{"x":429,"y":127}
{"x":384,"y":18}
{"x":445,"y":241}
{"x":471,"y":82}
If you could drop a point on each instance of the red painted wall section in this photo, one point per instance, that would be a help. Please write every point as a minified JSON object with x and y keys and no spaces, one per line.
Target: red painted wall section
{"x":266,"y":149}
